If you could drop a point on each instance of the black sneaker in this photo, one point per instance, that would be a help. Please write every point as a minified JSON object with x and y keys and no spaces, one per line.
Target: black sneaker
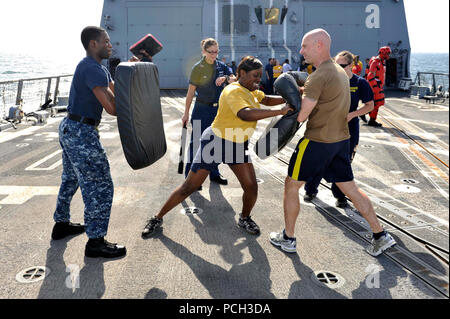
{"x":363,"y":117}
{"x":374,"y":123}
{"x":99,"y":247}
{"x":309,"y":197}
{"x":152,"y":225}
{"x":249,"y":225}
{"x":62,"y":230}
{"x":341,"y":203}
{"x":219,"y":180}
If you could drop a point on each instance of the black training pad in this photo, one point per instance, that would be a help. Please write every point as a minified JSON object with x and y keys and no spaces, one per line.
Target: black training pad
{"x":299,"y":77}
{"x":287,"y":125}
{"x":139,"y":115}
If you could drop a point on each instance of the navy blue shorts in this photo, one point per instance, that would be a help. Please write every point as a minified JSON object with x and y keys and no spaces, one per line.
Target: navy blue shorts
{"x":214,"y":150}
{"x":328,"y":160}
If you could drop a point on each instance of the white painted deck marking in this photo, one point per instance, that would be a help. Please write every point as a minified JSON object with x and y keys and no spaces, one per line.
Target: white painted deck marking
{"x":19,"y":195}
{"x":7,"y":136}
{"x":34,"y":167}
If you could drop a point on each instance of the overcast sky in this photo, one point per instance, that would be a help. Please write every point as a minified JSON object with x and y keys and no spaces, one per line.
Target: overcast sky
{"x":52,"y":27}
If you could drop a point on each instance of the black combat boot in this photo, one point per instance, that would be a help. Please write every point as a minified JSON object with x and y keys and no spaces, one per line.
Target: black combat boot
{"x":374,"y":123}
{"x":341,"y":202}
{"x":62,"y":230}
{"x":99,"y":247}
{"x":309,"y":197}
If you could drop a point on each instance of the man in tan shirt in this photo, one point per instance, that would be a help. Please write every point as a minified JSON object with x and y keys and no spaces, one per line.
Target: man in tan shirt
{"x":324,"y":150}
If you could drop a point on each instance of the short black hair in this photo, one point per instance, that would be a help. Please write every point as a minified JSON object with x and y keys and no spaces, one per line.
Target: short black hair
{"x":91,"y":33}
{"x":249,"y":63}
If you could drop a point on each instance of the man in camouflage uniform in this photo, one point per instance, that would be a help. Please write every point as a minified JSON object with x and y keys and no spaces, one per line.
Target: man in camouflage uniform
{"x":85,"y":164}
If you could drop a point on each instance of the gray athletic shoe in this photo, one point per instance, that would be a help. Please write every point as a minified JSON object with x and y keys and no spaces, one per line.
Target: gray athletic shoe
{"x":249,"y":225}
{"x":152,"y":225}
{"x":277,"y":239}
{"x":378,"y":246}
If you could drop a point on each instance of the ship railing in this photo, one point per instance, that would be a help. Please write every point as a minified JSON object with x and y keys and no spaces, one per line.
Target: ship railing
{"x":433,"y":80}
{"x":33,"y":92}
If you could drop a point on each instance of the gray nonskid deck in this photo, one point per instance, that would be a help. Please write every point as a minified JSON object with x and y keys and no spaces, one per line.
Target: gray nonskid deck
{"x":207,"y":255}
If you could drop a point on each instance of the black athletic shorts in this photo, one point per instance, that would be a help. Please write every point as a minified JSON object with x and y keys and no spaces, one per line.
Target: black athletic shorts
{"x":328,"y":160}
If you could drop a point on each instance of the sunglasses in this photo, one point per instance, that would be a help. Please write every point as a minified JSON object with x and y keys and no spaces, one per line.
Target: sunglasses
{"x":344,"y":65}
{"x":213,"y":52}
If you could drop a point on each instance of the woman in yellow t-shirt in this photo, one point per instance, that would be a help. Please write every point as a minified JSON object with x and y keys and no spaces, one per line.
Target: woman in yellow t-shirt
{"x":226,"y":141}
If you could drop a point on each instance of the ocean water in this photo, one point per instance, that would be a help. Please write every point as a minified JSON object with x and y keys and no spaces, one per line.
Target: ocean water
{"x":21,"y":66}
{"x":430,"y":62}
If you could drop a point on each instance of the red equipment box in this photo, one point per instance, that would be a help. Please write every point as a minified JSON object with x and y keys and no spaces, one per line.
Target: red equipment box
{"x":149,"y":43}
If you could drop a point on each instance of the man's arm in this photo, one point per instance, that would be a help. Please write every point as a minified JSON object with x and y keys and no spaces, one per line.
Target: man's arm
{"x":111,"y":87}
{"x":368,"y":107}
{"x":189,"y":97}
{"x":106,"y":98}
{"x":307,"y":107}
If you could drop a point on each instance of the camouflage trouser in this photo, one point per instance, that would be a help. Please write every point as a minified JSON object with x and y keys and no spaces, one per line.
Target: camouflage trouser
{"x":84,"y":164}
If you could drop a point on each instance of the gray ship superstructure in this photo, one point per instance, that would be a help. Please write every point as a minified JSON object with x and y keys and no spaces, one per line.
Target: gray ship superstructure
{"x":263,"y":28}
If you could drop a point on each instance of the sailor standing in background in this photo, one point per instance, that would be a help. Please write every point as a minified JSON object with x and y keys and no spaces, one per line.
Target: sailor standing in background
{"x":208,"y":78}
{"x":376,"y":78}
{"x":268,"y":87}
{"x":85,"y":164}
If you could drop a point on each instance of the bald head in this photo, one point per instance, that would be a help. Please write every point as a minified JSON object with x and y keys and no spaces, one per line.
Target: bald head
{"x":316,"y":46}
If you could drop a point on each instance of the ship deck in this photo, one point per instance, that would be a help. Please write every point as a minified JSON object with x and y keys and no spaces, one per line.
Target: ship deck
{"x":400,"y":166}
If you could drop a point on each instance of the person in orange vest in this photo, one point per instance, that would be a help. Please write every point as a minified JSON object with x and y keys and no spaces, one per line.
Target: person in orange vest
{"x":376,"y":78}
{"x":357,"y":66}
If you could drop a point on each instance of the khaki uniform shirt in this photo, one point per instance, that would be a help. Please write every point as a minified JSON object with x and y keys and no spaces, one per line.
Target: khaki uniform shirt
{"x":329,"y":85}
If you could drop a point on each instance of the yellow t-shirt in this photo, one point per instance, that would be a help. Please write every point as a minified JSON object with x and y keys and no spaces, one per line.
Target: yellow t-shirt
{"x":277,"y":70}
{"x":227,"y":124}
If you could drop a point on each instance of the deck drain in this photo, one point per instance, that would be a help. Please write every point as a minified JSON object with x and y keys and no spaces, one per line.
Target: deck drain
{"x":406,"y":189}
{"x":32,"y":274}
{"x":259,"y":181}
{"x":409,"y":181}
{"x":328,"y":279}
{"x":191,"y":211}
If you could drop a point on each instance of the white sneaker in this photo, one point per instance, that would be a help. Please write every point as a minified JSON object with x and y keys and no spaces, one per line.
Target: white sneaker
{"x":288,"y":245}
{"x":378,"y":246}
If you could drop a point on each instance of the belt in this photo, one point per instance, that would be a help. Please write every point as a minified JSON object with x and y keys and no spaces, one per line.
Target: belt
{"x":207,"y":103}
{"x":83,"y":119}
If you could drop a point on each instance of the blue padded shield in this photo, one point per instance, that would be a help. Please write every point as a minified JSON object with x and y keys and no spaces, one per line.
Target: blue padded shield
{"x":139,"y":115}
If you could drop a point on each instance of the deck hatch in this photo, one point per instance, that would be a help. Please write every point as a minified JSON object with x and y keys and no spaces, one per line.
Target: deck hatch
{"x":32,"y":274}
{"x":192,"y":210}
{"x":328,"y":279}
